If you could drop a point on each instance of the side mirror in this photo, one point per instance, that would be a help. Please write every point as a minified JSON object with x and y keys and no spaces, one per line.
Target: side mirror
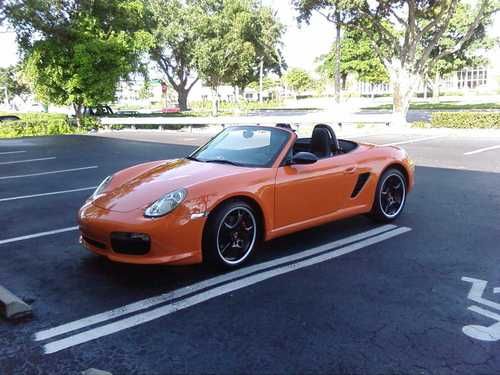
{"x":304,"y":158}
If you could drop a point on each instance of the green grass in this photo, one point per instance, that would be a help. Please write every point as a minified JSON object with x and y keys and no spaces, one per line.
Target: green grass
{"x":441,"y":106}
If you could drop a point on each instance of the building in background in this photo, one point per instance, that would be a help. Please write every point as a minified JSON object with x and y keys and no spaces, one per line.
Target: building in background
{"x":476,"y":80}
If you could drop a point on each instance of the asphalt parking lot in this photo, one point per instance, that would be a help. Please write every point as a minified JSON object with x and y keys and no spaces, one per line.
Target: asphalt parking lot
{"x":351,"y":297}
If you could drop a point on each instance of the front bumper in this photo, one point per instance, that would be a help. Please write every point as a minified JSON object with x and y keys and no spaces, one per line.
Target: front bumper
{"x":173,"y":239}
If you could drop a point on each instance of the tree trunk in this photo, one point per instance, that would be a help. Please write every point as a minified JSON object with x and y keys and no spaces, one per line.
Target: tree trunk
{"x":337,"y":58}
{"x":215,"y":102}
{"x":237,"y":95}
{"x":182,"y":97}
{"x":402,"y":90}
{"x":237,"y":99}
{"x":435,"y":88}
{"x":78,"y":114}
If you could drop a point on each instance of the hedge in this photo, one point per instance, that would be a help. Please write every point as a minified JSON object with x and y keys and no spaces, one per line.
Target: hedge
{"x":465,"y":120}
{"x":37,"y":125}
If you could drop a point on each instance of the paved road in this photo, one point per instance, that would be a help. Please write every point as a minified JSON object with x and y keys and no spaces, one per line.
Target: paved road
{"x":390,"y":301}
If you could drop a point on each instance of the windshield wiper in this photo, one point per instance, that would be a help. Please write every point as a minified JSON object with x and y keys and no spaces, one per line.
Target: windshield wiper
{"x":193,"y":158}
{"x":223,"y":161}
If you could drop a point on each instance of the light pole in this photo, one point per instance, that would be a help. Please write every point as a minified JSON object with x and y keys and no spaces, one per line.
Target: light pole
{"x":261,"y":83}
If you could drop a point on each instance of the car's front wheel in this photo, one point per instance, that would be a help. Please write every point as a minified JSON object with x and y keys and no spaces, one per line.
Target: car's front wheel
{"x":390,"y":196}
{"x":231,"y":234}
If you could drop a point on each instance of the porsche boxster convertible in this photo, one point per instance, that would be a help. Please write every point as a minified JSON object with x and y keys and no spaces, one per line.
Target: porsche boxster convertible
{"x":248,"y":184}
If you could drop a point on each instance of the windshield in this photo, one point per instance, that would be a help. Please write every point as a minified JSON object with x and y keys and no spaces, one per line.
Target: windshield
{"x":250,"y":146}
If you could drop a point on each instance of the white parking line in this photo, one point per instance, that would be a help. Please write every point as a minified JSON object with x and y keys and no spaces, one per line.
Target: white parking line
{"x":487,"y":313}
{"x":161,"y":311}
{"x":182,"y":292}
{"x":482,"y":150}
{"x":11,"y":152}
{"x":413,"y":141}
{"x":36,"y":235}
{"x":49,"y":172}
{"x":26,"y":160}
{"x":46,"y":194}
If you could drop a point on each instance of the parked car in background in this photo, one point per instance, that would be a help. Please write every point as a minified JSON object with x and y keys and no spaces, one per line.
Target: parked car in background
{"x":126,"y":112}
{"x":100,"y":110}
{"x":9,"y":118}
{"x":174,"y":109}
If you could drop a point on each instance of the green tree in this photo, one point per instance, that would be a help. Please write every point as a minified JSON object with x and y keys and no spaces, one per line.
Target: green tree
{"x":175,"y":26}
{"x":298,"y":80}
{"x":240,"y":35}
{"x":76,"y":52}
{"x":268,"y":83}
{"x":467,"y":56}
{"x":12,"y":82}
{"x":145,"y":91}
{"x":220,"y":41}
{"x":356,"y":56}
{"x":404,"y":33}
{"x":263,"y":30}
{"x":339,"y":12}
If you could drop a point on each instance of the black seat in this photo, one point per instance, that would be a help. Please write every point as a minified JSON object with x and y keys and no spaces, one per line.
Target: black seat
{"x":321,"y":145}
{"x":335,"y":145}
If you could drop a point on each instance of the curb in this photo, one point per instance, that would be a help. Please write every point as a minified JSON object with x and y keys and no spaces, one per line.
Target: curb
{"x":12,"y":307}
{"x":93,"y":371}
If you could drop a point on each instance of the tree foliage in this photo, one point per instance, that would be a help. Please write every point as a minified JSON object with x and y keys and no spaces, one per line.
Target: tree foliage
{"x":14,"y":81}
{"x":298,"y":80}
{"x":468,"y":54}
{"x":76,"y":52}
{"x":405,"y":35}
{"x":175,"y":26}
{"x":268,"y":83}
{"x":240,"y":34}
{"x":220,"y":41}
{"x":356,"y":56}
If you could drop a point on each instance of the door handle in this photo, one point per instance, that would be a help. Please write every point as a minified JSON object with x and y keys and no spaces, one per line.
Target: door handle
{"x":350,"y":170}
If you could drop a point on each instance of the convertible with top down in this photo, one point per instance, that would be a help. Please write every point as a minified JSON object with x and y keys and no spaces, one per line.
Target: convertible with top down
{"x":247,"y":184}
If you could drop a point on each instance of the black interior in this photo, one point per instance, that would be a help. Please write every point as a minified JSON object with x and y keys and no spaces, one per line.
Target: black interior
{"x":324,"y":143}
{"x":321,"y":144}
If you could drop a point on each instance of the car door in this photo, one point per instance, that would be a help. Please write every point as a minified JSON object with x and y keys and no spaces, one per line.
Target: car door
{"x":305,"y":192}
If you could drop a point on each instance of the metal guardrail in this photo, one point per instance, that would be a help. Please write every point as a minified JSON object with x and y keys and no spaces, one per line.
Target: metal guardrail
{"x":190,"y":122}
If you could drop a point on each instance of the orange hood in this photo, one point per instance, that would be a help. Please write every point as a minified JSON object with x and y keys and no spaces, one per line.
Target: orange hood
{"x":138,"y":187}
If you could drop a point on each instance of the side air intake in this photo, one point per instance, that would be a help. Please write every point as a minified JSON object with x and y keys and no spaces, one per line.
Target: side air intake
{"x":362,"y":179}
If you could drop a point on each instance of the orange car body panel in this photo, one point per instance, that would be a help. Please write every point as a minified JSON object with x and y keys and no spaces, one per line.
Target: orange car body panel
{"x":291,"y":198}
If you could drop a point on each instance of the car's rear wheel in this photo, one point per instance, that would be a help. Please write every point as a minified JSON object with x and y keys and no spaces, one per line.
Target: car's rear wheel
{"x":231,"y":234}
{"x":390,"y":196}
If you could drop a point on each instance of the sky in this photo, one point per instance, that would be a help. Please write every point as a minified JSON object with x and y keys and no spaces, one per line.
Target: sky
{"x":302,"y":44}
{"x":8,"y":54}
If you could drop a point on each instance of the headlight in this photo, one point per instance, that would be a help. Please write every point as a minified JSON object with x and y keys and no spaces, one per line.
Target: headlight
{"x":101,"y":187}
{"x":166,"y":204}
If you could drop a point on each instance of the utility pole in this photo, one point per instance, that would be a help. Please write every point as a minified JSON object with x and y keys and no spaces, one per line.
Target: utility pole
{"x":337,"y":57}
{"x":261,"y":84}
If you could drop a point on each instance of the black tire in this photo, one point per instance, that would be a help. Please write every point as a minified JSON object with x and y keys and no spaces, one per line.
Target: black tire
{"x":389,"y":198}
{"x":227,"y":247}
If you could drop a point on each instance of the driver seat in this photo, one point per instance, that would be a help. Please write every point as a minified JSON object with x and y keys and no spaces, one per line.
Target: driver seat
{"x":320,"y":143}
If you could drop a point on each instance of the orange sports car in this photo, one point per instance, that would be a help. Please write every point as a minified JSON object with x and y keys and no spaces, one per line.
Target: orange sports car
{"x":247,"y":184}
